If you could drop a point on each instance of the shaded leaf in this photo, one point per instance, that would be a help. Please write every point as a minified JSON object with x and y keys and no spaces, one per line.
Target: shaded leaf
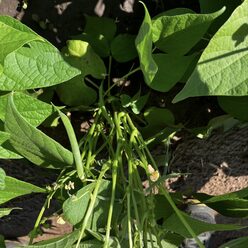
{"x":123,"y":48}
{"x":171,"y":69}
{"x":32,"y":144}
{"x":172,"y":224}
{"x":157,"y":119}
{"x":65,"y":241}
{"x":208,"y":6}
{"x":75,"y":207}
{"x":100,"y":26}
{"x":236,"y":243}
{"x":222,"y":68}
{"x":233,"y":204}
{"x":235,"y":106}
{"x":75,"y":92}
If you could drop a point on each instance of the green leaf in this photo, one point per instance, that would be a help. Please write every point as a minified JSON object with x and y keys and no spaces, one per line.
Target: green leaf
{"x":173,"y":12}
{"x":98,"y":42}
{"x":76,"y":206}
{"x":173,"y":224}
{"x":35,"y":66}
{"x":14,"y":188}
{"x":157,"y":119}
{"x":2,"y":243}
{"x":2,"y":179}
{"x":3,"y":137}
{"x":222,"y":68}
{"x":208,"y":6}
{"x":143,"y":44}
{"x":13,"y":35}
{"x":136,"y":103}
{"x":6,"y":150}
{"x":100,"y":26}
{"x":6,"y":211}
{"x":178,"y":34}
{"x":65,"y":241}
{"x":233,"y":204}
{"x":32,"y":143}
{"x":236,"y":243}
{"x":123,"y":48}
{"x":33,"y":110}
{"x":75,"y":92}
{"x":171,"y":68}
{"x":98,"y":32}
{"x":235,"y":106}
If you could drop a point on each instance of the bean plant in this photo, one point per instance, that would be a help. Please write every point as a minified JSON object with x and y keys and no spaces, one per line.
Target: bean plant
{"x":101,"y":177}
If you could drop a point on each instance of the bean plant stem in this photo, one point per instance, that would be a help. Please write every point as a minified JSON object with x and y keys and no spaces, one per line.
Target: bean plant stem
{"x":120,"y":79}
{"x":180,"y":216}
{"x":91,"y":205}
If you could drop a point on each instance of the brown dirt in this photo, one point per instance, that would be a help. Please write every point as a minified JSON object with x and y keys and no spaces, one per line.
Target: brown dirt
{"x":215,"y":166}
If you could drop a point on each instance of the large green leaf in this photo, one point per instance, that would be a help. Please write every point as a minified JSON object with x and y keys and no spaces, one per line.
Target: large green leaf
{"x":143,"y":44}
{"x":171,"y":69}
{"x":222,"y":68}
{"x":14,"y":188}
{"x":35,"y":66}
{"x":173,"y":224}
{"x":32,"y":143}
{"x":179,"y":33}
{"x":33,"y":110}
{"x":75,"y":92}
{"x":235,"y":106}
{"x":236,"y":243}
{"x":13,"y":35}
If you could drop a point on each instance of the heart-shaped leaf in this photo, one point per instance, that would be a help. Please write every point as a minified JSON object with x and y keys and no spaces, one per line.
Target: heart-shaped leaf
{"x":35,"y":66}
{"x":222,"y":68}
{"x":13,"y":35}
{"x":75,"y":92}
{"x":179,"y":33}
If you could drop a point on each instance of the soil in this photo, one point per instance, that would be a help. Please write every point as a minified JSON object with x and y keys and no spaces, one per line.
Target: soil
{"x":217,"y":165}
